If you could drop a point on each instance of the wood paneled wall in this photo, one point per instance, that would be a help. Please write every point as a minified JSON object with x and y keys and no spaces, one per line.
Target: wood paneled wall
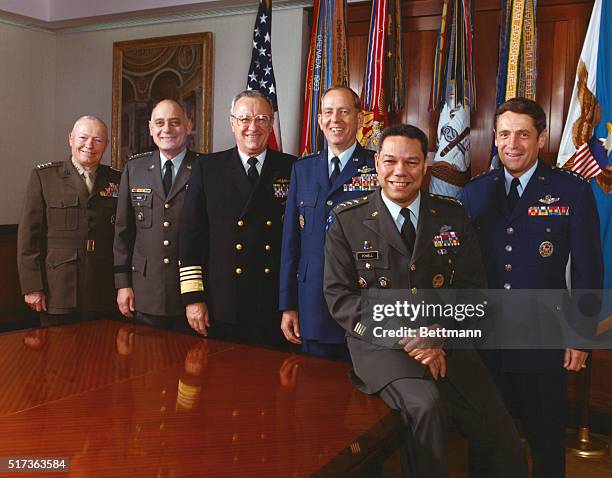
{"x":561,"y":28}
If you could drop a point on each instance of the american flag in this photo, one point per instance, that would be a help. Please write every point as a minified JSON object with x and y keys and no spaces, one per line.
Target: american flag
{"x":261,"y":74}
{"x":590,"y":159}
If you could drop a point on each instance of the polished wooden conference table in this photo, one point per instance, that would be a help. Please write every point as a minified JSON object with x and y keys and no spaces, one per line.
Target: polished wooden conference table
{"x":120,"y":400}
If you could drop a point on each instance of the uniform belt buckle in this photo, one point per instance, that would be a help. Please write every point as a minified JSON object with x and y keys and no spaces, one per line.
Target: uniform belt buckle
{"x":91,"y":245}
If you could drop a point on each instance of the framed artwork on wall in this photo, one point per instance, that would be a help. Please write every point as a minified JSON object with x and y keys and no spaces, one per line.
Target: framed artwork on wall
{"x":146,"y":71}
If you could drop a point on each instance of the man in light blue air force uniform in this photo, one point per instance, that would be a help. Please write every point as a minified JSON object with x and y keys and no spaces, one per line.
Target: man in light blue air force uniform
{"x":320,"y":181}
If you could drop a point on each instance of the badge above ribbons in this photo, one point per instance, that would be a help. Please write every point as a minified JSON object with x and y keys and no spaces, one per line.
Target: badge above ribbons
{"x":281,"y":188}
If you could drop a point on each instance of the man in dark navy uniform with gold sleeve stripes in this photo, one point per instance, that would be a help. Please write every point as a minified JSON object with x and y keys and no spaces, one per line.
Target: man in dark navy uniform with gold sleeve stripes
{"x":231,"y":229}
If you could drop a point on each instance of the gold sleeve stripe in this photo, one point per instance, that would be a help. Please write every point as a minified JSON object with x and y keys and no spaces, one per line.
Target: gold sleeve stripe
{"x":191,"y":268}
{"x":191,"y":276}
{"x":192,"y":286}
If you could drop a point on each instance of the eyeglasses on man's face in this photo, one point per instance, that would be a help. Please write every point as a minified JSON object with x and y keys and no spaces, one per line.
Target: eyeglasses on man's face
{"x":244,"y":121}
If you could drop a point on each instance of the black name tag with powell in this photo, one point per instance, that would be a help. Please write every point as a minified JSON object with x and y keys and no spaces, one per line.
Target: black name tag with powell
{"x":367,"y":256}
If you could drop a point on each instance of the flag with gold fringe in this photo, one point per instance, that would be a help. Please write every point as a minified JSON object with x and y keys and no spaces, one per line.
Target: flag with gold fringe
{"x":453,"y":92}
{"x":384,"y":80}
{"x":516,"y":67}
{"x":327,"y":66}
{"x":586,"y":143}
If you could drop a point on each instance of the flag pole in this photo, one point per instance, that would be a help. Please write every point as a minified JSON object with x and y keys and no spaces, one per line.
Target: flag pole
{"x":581,"y":443}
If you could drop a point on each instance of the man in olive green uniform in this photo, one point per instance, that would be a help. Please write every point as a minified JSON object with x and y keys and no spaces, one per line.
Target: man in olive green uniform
{"x":65,"y":238}
{"x":151,"y":199}
{"x":399,"y":238}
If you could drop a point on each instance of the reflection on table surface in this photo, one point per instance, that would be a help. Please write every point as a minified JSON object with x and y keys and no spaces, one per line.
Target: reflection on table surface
{"x":122,"y":400}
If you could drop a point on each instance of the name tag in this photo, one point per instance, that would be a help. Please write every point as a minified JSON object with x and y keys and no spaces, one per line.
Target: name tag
{"x":367,"y":256}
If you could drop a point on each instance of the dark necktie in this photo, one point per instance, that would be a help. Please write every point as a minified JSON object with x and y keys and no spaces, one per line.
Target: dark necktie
{"x":513,"y":195}
{"x":335,"y":171}
{"x":252,"y":173}
{"x":167,"y":179}
{"x":408,"y":231}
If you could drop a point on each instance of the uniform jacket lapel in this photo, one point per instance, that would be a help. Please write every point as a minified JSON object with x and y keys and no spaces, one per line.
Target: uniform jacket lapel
{"x":379,"y":220}
{"x":155,"y":178}
{"x":323,"y":172}
{"x":535,"y":186}
{"x":356,"y":161}
{"x":101,"y":180}
{"x":499,"y":191}
{"x":268,"y":172}
{"x":182,"y":176}
{"x":426,"y":227}
{"x":72,"y":180}
{"x":237,"y":176}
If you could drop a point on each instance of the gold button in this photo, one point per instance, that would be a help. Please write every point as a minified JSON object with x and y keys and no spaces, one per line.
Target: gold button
{"x":268,"y":223}
{"x":238,"y":247}
{"x":240,"y":223}
{"x":267,"y":270}
{"x":268,"y":247}
{"x":238,"y":270}
{"x":413,"y":267}
{"x":166,"y":242}
{"x":167,"y":206}
{"x":166,"y":260}
{"x":166,"y":224}
{"x":413,"y":290}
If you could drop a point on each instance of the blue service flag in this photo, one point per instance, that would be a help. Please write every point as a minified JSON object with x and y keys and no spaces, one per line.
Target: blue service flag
{"x":585,"y":147}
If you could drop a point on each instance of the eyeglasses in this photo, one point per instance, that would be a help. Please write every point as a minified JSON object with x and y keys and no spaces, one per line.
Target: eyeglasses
{"x":260,"y":120}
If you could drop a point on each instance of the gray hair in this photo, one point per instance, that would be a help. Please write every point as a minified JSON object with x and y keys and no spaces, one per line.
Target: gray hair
{"x":90,"y":118}
{"x":250,"y":94}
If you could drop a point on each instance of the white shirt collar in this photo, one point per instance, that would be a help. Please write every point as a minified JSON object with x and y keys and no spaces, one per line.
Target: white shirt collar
{"x":261,"y":157}
{"x":344,"y":157}
{"x":523,"y":178}
{"x":394,"y":210}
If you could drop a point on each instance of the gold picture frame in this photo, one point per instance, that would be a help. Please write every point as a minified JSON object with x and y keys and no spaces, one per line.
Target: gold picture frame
{"x":148,"y":70}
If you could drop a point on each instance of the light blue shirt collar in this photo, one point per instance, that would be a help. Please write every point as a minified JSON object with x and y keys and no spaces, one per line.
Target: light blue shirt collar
{"x":523,"y":178}
{"x":394,"y":210}
{"x":176,"y":162}
{"x":261,"y":157}
{"x":344,"y":158}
